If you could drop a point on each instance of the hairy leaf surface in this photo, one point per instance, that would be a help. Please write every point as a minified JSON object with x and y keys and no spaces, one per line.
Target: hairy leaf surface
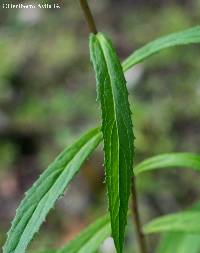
{"x":46,"y":190}
{"x":185,"y":37}
{"x":117,"y":131}
{"x":180,"y":160}
{"x":187,"y":221}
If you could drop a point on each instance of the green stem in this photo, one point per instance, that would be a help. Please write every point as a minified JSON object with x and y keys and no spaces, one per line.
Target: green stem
{"x":88,"y":15}
{"x":136,"y":219}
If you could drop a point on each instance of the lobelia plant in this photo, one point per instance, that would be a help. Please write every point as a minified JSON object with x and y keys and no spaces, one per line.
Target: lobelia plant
{"x":181,"y":230}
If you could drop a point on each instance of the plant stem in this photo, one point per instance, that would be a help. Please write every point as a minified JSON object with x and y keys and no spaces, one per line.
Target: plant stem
{"x":136,"y":218}
{"x":88,"y":16}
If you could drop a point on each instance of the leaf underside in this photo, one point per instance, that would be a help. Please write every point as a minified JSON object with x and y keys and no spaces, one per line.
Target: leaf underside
{"x":117,"y":131}
{"x":46,"y":190}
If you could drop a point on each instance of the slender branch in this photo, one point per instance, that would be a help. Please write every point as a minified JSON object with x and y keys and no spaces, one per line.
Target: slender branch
{"x":88,"y":16}
{"x":136,"y":218}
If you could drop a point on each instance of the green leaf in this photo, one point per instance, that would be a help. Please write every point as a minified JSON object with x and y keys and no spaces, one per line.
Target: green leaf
{"x":179,"y":243}
{"x":183,"y":160}
{"x":187,"y":221}
{"x":117,"y":132}
{"x":45,"y":251}
{"x":89,"y":240}
{"x":185,"y":37}
{"x":46,"y":190}
{"x":174,"y":241}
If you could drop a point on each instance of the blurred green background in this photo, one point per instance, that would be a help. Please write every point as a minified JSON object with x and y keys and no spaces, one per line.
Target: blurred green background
{"x":48,"y":98}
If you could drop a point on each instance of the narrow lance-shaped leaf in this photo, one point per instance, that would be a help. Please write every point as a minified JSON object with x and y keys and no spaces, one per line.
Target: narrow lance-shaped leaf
{"x":186,"y":221}
{"x":117,"y":131}
{"x":89,"y":240}
{"x":185,"y":37}
{"x":45,"y":251}
{"x":178,"y":242}
{"x":172,"y":160}
{"x":46,"y":190}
